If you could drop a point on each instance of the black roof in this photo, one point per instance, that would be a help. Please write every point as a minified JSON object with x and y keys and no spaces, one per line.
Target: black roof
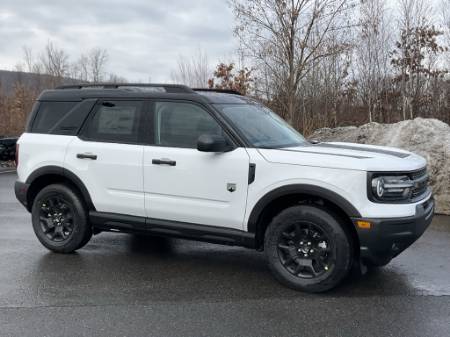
{"x":79,"y":92}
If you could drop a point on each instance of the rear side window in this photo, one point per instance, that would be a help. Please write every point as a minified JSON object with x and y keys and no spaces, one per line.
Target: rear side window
{"x":49,"y":114}
{"x":116,"y":122}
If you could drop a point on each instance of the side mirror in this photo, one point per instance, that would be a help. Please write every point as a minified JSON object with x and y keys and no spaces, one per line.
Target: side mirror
{"x":212,"y":143}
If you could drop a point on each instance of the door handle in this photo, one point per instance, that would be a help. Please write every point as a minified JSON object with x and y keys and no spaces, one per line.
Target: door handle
{"x":86,"y":156}
{"x":164,"y":162}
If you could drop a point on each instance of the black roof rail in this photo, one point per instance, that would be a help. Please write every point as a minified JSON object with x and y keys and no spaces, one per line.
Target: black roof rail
{"x":170,"y":88}
{"x":223,"y":91}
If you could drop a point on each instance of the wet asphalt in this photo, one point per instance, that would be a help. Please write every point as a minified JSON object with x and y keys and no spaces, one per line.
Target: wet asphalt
{"x":124,"y":285}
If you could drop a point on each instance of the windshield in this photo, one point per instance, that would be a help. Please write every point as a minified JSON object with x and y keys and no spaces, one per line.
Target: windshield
{"x":260,"y":126}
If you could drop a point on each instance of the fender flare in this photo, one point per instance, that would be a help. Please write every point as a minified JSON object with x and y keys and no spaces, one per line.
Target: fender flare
{"x":67,"y":174}
{"x":312,"y":190}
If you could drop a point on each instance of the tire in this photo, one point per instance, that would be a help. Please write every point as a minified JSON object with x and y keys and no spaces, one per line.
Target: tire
{"x":308,"y":249}
{"x":59,"y":212}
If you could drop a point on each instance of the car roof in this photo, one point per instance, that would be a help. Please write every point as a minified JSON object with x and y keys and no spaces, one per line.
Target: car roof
{"x":142,"y":91}
{"x":225,"y":97}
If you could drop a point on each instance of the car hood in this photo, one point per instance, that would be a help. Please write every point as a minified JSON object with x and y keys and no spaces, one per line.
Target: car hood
{"x":346,"y":156}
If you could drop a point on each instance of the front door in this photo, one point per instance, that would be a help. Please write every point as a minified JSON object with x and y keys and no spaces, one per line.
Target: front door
{"x":184,"y":184}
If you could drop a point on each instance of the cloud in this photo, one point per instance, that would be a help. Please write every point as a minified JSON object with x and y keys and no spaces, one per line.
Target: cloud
{"x":144,"y":38}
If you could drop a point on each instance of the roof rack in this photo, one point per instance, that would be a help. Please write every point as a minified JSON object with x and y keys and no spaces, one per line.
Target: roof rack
{"x":170,"y":88}
{"x":223,"y":91}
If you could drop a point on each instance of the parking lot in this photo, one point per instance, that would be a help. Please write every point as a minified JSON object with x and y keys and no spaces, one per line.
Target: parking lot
{"x":123,"y":285}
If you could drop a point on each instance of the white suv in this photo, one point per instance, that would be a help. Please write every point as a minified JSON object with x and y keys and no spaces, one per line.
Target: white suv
{"x":219,"y":167}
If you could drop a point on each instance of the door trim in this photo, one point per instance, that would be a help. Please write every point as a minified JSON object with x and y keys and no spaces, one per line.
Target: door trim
{"x":133,"y":224}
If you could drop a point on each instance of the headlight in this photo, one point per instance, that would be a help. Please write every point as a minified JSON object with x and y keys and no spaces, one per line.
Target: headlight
{"x":392,"y":188}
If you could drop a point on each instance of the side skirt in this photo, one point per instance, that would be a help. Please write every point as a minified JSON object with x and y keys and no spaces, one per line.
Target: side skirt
{"x":133,"y":224}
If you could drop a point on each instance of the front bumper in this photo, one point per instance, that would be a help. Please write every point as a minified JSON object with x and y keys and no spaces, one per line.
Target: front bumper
{"x":389,"y":237}
{"x":21,"y":191}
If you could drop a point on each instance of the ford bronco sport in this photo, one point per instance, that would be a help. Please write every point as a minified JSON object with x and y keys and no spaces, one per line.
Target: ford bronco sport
{"x":213,"y":166}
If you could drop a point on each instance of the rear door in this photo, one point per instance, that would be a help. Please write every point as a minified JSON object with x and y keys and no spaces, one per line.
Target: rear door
{"x":184,"y":184}
{"x":108,"y":154}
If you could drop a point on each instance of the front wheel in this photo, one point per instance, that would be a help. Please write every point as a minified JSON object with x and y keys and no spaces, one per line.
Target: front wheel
{"x":308,"y":249}
{"x":60,"y":219}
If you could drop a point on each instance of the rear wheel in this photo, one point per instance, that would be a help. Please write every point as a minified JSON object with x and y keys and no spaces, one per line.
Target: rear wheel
{"x":60,"y":219}
{"x":308,"y":249}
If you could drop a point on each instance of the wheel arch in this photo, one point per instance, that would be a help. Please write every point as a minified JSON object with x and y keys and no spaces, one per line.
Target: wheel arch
{"x":48,"y":175}
{"x":282,"y":197}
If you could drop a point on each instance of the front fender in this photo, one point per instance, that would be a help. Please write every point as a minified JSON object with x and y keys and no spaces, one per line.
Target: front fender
{"x":308,"y":189}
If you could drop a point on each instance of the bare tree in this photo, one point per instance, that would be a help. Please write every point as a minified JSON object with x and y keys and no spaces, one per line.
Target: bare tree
{"x":113,"y":78}
{"x":416,"y":55}
{"x":90,"y":67}
{"x":445,"y":5}
{"x":29,"y":61}
{"x":412,"y":15}
{"x":194,"y":71}
{"x":280,"y":36}
{"x":80,"y":69}
{"x":322,"y":89}
{"x":55,"y":63}
{"x":372,"y":55}
{"x":97,"y":62}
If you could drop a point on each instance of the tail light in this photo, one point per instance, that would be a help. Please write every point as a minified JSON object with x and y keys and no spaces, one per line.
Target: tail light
{"x":16,"y":158}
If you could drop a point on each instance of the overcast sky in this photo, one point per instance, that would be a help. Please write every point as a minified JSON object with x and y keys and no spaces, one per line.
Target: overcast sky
{"x":144,"y":38}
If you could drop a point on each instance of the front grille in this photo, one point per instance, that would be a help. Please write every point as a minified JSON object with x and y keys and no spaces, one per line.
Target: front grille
{"x":420,"y":179}
{"x":418,"y":174}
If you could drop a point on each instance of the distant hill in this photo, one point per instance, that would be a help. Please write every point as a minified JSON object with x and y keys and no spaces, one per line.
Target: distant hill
{"x":9,"y":78}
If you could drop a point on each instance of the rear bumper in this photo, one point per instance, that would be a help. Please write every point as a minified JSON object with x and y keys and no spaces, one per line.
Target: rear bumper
{"x":387,"y":238}
{"x":21,"y":191}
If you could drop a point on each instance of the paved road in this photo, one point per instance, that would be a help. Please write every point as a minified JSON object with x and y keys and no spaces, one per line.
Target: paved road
{"x":121,"y":285}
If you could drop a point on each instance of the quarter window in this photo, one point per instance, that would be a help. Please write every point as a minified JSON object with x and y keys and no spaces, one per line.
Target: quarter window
{"x":49,"y":114}
{"x":116,"y":122}
{"x":181,"y":124}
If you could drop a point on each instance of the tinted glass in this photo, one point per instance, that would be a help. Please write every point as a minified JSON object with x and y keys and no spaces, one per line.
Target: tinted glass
{"x":116,"y":122}
{"x":49,"y":114}
{"x":72,"y":121}
{"x":31,"y":115}
{"x":260,"y":126}
{"x":181,"y":124}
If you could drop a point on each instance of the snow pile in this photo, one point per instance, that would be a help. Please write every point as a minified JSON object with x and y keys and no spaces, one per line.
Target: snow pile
{"x":429,"y":138}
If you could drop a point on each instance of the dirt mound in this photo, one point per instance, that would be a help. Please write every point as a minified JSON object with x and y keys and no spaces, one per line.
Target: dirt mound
{"x":429,"y":138}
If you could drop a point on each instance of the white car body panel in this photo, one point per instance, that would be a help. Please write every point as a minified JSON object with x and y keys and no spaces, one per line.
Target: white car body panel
{"x":337,"y":158}
{"x":350,"y":184}
{"x":123,"y":179}
{"x":195,"y":190}
{"x":39,"y":150}
{"x":114,"y":180}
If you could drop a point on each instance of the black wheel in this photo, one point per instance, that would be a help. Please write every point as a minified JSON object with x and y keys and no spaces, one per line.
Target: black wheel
{"x":308,"y":249}
{"x":60,"y":219}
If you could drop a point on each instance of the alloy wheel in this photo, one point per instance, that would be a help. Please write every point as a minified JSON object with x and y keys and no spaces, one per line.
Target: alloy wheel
{"x":56,"y":218}
{"x":305,"y":250}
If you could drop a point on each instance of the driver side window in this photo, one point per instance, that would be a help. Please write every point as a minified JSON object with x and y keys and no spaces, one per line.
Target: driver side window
{"x":180,"y":124}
